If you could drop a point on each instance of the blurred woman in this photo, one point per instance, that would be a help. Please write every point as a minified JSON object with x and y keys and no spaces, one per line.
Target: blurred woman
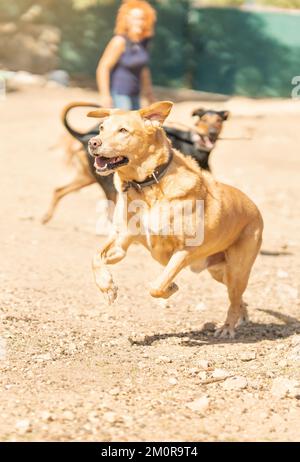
{"x":123,"y":73}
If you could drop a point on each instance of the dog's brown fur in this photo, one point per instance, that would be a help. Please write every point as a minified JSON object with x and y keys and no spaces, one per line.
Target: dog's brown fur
{"x":232,"y":224}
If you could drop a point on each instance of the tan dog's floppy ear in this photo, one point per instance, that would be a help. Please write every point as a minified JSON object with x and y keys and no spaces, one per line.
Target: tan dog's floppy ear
{"x":100,"y":113}
{"x":157,"y":111}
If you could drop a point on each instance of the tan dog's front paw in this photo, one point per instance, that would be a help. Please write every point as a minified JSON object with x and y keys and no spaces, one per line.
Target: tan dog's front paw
{"x":106,"y":284}
{"x":225,"y":331}
{"x":159,"y":293}
{"x":114,"y":255}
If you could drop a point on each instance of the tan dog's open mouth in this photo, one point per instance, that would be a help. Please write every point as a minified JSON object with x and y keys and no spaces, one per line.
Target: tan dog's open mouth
{"x":104,"y":164}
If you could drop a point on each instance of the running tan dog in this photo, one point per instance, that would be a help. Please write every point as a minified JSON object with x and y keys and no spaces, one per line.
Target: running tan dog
{"x":135,"y":147}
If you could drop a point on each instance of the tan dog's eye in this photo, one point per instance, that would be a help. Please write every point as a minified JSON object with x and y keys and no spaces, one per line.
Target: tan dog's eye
{"x":123,"y":130}
{"x":101,"y":127}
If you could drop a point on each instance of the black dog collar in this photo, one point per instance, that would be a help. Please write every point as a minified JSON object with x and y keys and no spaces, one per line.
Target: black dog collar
{"x":154,"y":178}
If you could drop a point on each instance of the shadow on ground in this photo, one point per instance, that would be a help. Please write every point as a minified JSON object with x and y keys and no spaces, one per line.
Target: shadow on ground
{"x":249,"y":333}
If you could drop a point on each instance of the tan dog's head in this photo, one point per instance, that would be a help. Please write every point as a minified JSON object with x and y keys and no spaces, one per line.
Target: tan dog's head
{"x":209,"y":125}
{"x":125,"y":138}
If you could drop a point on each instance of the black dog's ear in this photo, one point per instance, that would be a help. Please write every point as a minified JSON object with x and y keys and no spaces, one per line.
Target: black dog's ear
{"x":224,"y":114}
{"x":199,"y":112}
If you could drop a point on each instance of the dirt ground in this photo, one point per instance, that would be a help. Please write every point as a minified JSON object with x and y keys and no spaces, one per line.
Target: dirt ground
{"x":73,"y":368}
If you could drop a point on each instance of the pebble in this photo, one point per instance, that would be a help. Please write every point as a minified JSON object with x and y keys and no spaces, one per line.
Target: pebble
{"x":199,"y":405}
{"x":163,"y":359}
{"x":283,"y":387}
{"x":202,"y":375}
{"x":235,"y":383}
{"x":193,"y":371}
{"x":201,"y":306}
{"x":282,"y":274}
{"x":294,"y":354}
{"x":204,"y":364}
{"x":110,"y":417}
{"x":248,"y":355}
{"x":115,"y":391}
{"x":220,"y":374}
{"x":93,"y":416}
{"x":23,"y":426}
{"x":46,"y":416}
{"x":173,"y":381}
{"x":44,"y":357}
{"x":296,"y":340}
{"x":68,"y":415}
{"x":164,"y":304}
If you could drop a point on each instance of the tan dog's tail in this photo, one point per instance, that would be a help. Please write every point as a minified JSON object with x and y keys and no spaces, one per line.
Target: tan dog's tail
{"x":64,"y":118}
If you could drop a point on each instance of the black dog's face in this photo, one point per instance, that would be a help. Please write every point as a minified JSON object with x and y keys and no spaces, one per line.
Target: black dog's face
{"x":209,"y":125}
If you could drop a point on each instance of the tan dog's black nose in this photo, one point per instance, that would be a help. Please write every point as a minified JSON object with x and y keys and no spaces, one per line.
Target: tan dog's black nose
{"x":94,"y":143}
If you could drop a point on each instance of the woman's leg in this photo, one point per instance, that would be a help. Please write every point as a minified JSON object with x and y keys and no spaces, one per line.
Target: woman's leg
{"x":135,"y":103}
{"x":128,"y":103}
{"x":122,"y":101}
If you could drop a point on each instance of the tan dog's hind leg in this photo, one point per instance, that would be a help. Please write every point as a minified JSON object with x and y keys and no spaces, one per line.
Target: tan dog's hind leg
{"x":77,"y":184}
{"x":163,"y":287}
{"x":235,"y":275}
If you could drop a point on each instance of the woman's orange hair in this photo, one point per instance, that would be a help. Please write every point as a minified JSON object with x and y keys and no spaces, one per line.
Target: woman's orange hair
{"x":150,"y":17}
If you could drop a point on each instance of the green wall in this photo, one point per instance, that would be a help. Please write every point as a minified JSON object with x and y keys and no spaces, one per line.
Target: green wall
{"x":245,"y":53}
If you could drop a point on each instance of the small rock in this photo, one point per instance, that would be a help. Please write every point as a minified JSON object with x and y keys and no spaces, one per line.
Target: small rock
{"x":68,"y":415}
{"x":173,"y":381}
{"x":46,"y":416}
{"x":286,"y":290}
{"x":270,"y":374}
{"x":173,"y":372}
{"x":296,"y":340}
{"x":163,"y":303}
{"x":193,"y":371}
{"x":204,"y":364}
{"x":163,"y":359}
{"x":235,"y":383}
{"x":110,"y":417}
{"x":294,"y":354}
{"x":201,"y":306}
{"x":283,"y":363}
{"x":202,"y":375}
{"x":220,"y":374}
{"x":115,"y":391}
{"x":199,"y":405}
{"x":93,"y":416}
{"x":23,"y":426}
{"x":283,"y":387}
{"x":248,"y":355}
{"x":282,"y":274}
{"x":44,"y":357}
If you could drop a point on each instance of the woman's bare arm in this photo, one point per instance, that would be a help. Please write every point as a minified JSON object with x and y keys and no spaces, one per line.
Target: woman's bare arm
{"x":109,"y":59}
